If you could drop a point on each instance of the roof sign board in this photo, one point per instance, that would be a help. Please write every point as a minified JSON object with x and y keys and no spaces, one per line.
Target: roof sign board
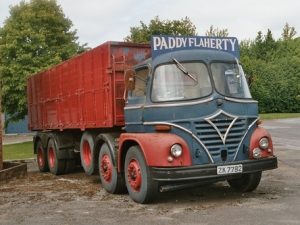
{"x":162,"y":44}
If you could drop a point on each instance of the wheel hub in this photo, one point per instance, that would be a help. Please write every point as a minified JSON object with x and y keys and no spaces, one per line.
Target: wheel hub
{"x":134,"y":175}
{"x":106,"y":168}
{"x":40,"y":157}
{"x":87,"y":155}
{"x":51,"y":157}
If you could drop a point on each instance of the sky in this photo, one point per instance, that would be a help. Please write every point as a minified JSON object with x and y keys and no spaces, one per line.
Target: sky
{"x":98,"y":21}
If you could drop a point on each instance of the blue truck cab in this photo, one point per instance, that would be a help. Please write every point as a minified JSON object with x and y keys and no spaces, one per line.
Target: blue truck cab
{"x":190,"y":119}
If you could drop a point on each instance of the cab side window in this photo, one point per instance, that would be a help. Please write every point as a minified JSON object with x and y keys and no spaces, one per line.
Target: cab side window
{"x":140,"y":83}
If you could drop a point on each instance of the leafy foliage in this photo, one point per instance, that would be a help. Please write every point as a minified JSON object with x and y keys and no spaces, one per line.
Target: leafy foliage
{"x":142,"y":33}
{"x":274,"y":69}
{"x":216,"y":32}
{"x":288,"y":32}
{"x":34,"y":37}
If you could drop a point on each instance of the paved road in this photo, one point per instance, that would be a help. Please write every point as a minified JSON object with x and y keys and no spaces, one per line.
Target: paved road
{"x":286,"y":138}
{"x":16,"y":138}
{"x":77,"y":199}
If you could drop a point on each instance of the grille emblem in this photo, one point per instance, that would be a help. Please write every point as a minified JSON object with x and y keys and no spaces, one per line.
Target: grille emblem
{"x":221,"y":115}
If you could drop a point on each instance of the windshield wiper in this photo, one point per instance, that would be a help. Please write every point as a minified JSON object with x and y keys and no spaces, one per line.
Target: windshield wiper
{"x":184,"y":70}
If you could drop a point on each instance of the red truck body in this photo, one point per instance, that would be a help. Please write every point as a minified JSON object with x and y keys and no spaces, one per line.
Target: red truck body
{"x":85,"y":91}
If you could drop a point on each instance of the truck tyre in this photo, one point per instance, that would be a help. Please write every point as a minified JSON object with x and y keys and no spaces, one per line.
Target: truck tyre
{"x":56,"y":166}
{"x":41,"y":157}
{"x":139,"y":183}
{"x":111,"y":180}
{"x":87,"y":154}
{"x":247,"y":183}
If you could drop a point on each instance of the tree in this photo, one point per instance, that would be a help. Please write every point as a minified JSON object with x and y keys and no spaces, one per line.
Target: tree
{"x":274,"y":69}
{"x":216,"y":32}
{"x":288,"y":32}
{"x":264,"y":46}
{"x":34,"y":37}
{"x":270,"y":43}
{"x":142,"y":33}
{"x":1,"y":147}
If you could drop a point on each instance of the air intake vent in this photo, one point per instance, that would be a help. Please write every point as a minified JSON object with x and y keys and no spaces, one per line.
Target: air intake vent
{"x":220,"y":132}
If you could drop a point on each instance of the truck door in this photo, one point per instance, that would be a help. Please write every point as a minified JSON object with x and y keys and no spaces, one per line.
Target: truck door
{"x":136,"y":100}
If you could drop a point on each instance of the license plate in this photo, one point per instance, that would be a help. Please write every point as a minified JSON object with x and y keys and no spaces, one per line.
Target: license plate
{"x":230,"y":169}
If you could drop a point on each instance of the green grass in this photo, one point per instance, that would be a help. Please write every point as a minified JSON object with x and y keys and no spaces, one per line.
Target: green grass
{"x":18,"y":151}
{"x":271,"y":116}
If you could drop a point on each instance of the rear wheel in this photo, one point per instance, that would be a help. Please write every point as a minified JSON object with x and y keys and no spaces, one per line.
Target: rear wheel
{"x":247,"y":183}
{"x":56,"y":166}
{"x":87,"y":155}
{"x":140,"y":186}
{"x":111,"y":180}
{"x":41,"y":157}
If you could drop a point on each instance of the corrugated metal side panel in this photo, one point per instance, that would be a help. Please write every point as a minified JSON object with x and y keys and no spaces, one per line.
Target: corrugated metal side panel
{"x":85,"y":91}
{"x":95,"y":94}
{"x":82,"y":101}
{"x":31,"y":113}
{"x":35,"y":104}
{"x":103,"y":93}
{"x":123,"y":56}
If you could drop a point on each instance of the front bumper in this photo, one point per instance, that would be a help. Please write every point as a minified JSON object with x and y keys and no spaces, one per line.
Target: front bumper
{"x":209,"y":172}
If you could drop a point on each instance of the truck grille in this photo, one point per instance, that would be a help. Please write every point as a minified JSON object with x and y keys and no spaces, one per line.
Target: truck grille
{"x":212,"y":133}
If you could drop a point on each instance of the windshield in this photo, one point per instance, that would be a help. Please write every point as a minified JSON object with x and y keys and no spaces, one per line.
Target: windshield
{"x":230,"y":80}
{"x":181,"y":81}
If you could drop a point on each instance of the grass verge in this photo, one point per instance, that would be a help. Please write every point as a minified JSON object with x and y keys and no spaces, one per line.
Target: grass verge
{"x":271,"y":116}
{"x":18,"y":151}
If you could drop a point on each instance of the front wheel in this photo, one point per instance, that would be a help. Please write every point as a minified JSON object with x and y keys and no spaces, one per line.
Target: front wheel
{"x":247,"y":183}
{"x":140,"y":186}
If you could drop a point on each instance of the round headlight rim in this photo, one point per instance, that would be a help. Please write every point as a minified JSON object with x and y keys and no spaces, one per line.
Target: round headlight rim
{"x":264,"y":143}
{"x":256,"y":153}
{"x":176,"y":150}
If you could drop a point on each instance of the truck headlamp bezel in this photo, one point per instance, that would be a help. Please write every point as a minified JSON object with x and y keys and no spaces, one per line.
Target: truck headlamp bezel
{"x":256,"y":153}
{"x":176,"y":150}
{"x":264,"y":143}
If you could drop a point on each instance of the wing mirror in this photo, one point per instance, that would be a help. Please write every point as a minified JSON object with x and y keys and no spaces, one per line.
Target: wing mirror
{"x":129,"y":81}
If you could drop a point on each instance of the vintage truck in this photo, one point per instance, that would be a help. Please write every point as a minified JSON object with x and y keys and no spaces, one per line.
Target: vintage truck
{"x":151,"y":118}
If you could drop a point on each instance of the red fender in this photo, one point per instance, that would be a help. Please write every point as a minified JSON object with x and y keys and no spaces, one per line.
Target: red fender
{"x":156,"y":148}
{"x":254,"y":142}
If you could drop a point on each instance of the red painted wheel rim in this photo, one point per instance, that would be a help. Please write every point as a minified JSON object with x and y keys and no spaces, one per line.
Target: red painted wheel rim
{"x":40,"y":157}
{"x":106,"y":168}
{"x":87,"y":153}
{"x":134,"y":175}
{"x":51,"y":156}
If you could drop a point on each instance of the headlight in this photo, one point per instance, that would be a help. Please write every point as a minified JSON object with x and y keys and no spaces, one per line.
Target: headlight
{"x":264,"y":143}
{"x":256,"y":153}
{"x":176,"y":150}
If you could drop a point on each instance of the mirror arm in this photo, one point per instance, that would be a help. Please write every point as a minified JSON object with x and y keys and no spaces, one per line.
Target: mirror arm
{"x":129,"y":82}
